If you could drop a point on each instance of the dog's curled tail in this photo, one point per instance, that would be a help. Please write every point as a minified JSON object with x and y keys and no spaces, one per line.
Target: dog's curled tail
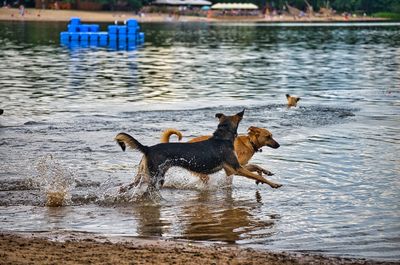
{"x":168,"y":132}
{"x":124,"y":139}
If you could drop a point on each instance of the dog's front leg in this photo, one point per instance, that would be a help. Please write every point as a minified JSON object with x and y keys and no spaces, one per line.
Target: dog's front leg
{"x":245,"y":173}
{"x":258,"y":169}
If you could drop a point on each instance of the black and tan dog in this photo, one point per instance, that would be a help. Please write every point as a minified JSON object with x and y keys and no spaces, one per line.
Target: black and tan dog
{"x":205,"y":157}
{"x":245,"y":146}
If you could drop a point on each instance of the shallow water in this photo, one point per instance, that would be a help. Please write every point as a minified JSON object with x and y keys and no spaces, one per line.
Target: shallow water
{"x":339,"y":154}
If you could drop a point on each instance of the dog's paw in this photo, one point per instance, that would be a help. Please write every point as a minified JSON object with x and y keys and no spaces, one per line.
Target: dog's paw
{"x":268,"y":173}
{"x":276,"y":185}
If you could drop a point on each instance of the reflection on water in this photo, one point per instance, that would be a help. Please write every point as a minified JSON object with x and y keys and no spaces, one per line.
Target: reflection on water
{"x":150,"y":223}
{"x":339,"y":154}
{"x":222,"y":220}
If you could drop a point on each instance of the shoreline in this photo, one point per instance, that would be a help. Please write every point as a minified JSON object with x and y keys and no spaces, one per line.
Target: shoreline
{"x":86,"y":248}
{"x":49,"y":15}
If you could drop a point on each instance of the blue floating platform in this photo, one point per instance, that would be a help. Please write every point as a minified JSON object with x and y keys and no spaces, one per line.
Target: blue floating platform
{"x":75,"y":21}
{"x":116,"y":37}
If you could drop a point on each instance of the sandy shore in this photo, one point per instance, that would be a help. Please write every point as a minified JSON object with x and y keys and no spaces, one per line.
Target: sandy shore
{"x":12,"y":14}
{"x":74,"y":248}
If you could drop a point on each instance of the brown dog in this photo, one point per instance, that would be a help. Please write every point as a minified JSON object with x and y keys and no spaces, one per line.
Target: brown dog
{"x":292,"y":100}
{"x":202,"y":157}
{"x":245,"y":146}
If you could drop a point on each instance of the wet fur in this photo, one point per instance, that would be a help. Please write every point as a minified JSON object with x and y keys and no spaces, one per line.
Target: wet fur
{"x":205,"y":157}
{"x":292,"y":100}
{"x":245,"y":146}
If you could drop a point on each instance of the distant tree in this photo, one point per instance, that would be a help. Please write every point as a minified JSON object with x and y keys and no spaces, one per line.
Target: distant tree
{"x":135,"y":4}
{"x":372,"y":6}
{"x":118,"y":4}
{"x":369,"y":6}
{"x":345,"y":5}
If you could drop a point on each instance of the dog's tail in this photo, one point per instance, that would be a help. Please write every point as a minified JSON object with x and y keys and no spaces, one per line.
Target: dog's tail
{"x":124,"y":139}
{"x":168,"y":132}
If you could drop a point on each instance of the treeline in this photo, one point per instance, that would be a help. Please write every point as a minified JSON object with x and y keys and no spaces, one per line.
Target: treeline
{"x":360,"y":6}
{"x":367,"y":6}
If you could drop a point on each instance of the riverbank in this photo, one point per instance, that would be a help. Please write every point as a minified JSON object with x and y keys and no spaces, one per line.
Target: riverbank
{"x":75,"y":248}
{"x":12,"y":14}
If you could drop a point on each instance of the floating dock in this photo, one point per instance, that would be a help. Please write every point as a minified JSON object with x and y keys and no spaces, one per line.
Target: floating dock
{"x":117,"y":37}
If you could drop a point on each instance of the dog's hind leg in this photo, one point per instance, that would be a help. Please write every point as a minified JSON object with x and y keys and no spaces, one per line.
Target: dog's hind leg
{"x":157,"y":174}
{"x":258,"y":169}
{"x":141,"y":176}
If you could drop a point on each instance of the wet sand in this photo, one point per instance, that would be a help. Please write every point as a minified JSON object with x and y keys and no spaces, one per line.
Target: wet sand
{"x":12,"y":14}
{"x":75,"y":248}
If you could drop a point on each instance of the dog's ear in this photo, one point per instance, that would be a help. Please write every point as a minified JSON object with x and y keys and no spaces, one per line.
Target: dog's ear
{"x":253,"y":130}
{"x":287,"y":96}
{"x":297,"y":99}
{"x":219,"y":115}
{"x":240,"y":114}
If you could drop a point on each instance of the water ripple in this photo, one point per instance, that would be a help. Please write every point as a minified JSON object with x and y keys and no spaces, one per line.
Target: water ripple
{"x":338,"y":160}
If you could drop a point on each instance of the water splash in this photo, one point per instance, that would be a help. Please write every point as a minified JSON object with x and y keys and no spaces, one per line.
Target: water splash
{"x":55,"y":180}
{"x":110,"y":194}
{"x":144,"y":189}
{"x":179,"y":178}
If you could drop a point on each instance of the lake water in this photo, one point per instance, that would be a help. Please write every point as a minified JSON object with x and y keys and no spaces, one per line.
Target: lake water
{"x":339,"y":160}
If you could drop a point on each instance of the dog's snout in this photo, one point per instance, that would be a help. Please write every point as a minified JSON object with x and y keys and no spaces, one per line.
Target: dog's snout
{"x":274,"y":145}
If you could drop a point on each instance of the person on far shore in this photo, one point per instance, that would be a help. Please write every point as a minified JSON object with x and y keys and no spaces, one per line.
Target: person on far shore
{"x":21,"y":10}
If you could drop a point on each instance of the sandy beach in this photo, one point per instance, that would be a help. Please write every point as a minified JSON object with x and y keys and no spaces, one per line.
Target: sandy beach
{"x":75,"y":248}
{"x":12,"y":14}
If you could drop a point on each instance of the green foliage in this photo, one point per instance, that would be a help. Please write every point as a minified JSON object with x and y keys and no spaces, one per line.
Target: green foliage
{"x":389,"y":15}
{"x":346,"y":5}
{"x":135,"y":4}
{"x":110,"y":2}
{"x":396,"y":7}
{"x":368,"y":6}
